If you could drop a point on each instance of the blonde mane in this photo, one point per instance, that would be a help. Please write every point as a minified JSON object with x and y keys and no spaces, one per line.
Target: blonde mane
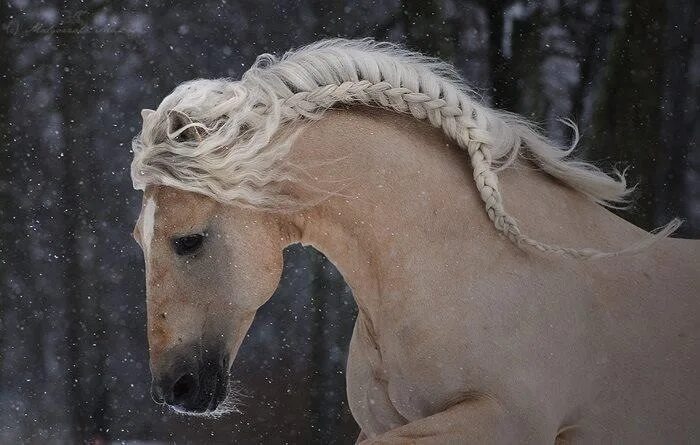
{"x":228,"y":139}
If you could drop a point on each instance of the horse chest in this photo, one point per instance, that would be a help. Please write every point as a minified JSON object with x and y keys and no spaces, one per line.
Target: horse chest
{"x":416,"y":371}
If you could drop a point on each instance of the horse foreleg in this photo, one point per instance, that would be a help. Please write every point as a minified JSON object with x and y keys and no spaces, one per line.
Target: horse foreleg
{"x":481,"y":421}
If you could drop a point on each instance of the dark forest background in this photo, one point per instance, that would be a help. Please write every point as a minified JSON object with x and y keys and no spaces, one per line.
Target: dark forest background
{"x":74,"y":76}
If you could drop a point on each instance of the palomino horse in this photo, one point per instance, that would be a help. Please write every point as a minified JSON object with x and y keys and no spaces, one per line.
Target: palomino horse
{"x":469,"y":330}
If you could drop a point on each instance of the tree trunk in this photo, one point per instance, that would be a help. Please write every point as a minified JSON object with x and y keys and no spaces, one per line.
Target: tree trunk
{"x":6,"y":163}
{"x":70,"y":62}
{"x":319,"y":307}
{"x":627,"y":119}
{"x":424,"y":27}
{"x":502,"y":77}
{"x":525,"y":67}
{"x":590,"y":54}
{"x":673,"y":193}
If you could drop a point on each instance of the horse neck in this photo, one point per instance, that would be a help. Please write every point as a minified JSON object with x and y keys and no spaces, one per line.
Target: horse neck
{"x":404,"y":207}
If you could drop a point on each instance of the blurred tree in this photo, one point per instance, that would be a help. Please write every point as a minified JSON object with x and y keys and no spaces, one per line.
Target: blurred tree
{"x":503,"y":81}
{"x":680,"y":105}
{"x":627,"y":120}
{"x":87,"y":392}
{"x":327,"y":15}
{"x":319,"y":358}
{"x":426,"y":29}
{"x":67,"y":104}
{"x":590,"y":29}
{"x":22,"y":320}
{"x":6,"y":171}
{"x":525,"y":79}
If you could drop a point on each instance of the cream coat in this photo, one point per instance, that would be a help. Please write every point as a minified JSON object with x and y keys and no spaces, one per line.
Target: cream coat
{"x":461,"y":336}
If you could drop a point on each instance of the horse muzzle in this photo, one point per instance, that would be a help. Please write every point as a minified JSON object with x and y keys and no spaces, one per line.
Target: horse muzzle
{"x":194,"y":383}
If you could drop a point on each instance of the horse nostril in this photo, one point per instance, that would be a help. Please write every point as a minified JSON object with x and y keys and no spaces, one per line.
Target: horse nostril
{"x":183,"y":388}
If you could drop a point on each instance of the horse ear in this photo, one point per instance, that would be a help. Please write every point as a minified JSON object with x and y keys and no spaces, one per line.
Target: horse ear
{"x":176,"y":121}
{"x":145,"y":113}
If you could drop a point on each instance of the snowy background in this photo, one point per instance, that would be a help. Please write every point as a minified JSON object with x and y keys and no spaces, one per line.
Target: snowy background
{"x":74,"y":76}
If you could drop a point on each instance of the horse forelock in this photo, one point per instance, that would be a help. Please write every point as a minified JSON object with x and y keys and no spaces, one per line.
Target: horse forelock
{"x":148,"y":221}
{"x":226,"y":139}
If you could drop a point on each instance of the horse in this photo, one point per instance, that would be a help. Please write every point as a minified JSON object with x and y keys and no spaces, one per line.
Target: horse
{"x":473,"y":326}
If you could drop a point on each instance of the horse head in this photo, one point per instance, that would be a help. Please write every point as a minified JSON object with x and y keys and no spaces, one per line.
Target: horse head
{"x":196,"y":318}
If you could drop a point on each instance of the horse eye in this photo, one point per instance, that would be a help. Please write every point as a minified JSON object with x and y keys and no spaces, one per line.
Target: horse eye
{"x":189,"y":244}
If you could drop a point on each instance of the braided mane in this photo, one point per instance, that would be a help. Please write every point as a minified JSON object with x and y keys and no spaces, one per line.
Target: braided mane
{"x":228,"y":139}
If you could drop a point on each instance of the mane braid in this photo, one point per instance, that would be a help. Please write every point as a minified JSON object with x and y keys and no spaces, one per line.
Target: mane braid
{"x":239,"y":130}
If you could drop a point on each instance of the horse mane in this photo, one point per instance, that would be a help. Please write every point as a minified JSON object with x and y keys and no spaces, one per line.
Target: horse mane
{"x":228,"y":139}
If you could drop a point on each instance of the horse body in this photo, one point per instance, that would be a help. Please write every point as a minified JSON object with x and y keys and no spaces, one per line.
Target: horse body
{"x":452,"y":314}
{"x":465,"y":334}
